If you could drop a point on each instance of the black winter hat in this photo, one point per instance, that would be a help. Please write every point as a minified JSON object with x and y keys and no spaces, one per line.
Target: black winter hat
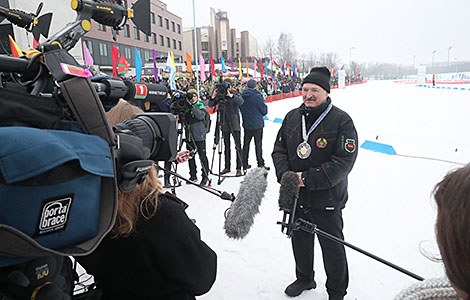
{"x":319,"y":76}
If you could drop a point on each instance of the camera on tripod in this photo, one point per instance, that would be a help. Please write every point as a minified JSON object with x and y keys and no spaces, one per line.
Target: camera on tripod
{"x":222,"y":88}
{"x":180,"y":104}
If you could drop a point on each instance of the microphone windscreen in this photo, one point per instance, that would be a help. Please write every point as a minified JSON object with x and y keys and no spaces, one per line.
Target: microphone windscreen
{"x":241,"y":214}
{"x":288,"y":190}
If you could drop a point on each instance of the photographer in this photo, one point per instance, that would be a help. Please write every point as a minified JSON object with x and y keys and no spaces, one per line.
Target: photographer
{"x":154,"y":250}
{"x":196,"y":137}
{"x":228,"y":107}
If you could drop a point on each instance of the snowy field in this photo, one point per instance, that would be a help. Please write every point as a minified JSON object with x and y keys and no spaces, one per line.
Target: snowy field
{"x":390,"y":211}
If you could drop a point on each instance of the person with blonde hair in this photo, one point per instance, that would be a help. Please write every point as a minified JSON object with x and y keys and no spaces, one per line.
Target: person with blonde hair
{"x":154,"y":250}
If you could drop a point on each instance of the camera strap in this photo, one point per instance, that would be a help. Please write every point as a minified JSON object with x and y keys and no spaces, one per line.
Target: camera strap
{"x":81,"y":97}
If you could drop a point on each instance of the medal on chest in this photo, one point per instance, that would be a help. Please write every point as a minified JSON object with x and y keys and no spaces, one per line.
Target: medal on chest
{"x":304,"y":150}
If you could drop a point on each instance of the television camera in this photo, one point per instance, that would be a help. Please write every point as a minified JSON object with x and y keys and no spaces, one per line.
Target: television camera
{"x":61,"y":159}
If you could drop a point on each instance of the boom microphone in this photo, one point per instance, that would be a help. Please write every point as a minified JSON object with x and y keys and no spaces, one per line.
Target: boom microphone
{"x":241,"y":213}
{"x":288,"y":195}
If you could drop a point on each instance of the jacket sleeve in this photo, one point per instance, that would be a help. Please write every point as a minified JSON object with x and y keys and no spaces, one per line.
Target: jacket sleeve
{"x":237,"y":99}
{"x":333,"y":171}
{"x":185,"y":258}
{"x":263,"y":108}
{"x":279,"y":155}
{"x":197,"y":113}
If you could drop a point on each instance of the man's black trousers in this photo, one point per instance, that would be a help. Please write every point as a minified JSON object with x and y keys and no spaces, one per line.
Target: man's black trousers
{"x":201,"y":151}
{"x":238,"y":148}
{"x":334,"y":255}
{"x":257,"y":134}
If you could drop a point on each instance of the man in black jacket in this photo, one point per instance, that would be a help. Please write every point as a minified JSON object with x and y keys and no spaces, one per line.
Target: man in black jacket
{"x":229,"y":111}
{"x":319,"y":142}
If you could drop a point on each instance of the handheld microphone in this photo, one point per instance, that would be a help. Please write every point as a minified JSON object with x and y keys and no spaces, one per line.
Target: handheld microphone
{"x":241,"y":213}
{"x":288,"y":194}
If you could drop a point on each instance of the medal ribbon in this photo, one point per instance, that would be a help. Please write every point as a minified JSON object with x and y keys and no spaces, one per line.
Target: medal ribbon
{"x":320,"y":118}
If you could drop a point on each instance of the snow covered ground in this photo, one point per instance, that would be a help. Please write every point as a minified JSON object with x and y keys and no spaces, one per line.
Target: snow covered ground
{"x":390,"y":211}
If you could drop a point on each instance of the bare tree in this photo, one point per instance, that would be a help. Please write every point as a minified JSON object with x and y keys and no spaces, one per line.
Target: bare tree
{"x":329,"y":59}
{"x":286,"y":48}
{"x":269,"y":49}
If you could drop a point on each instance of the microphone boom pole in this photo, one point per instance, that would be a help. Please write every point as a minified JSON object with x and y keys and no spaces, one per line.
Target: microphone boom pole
{"x":312,"y":228}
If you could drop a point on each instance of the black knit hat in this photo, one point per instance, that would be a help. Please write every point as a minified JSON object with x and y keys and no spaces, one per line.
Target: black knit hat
{"x":319,"y":76}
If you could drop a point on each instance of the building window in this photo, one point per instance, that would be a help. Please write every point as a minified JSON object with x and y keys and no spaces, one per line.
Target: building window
{"x":179,"y":45}
{"x":127,"y":53}
{"x":136,"y":34}
{"x":168,"y":42}
{"x":161,"y":40}
{"x":126,"y":31}
{"x":154,"y":38}
{"x":174,"y":44}
{"x":173,"y":26}
{"x":103,"y":50}
{"x":101,"y":27}
{"x":179,"y":28}
{"x":147,"y":56}
{"x":146,"y":38}
{"x":167,"y":24}
{"x":152,"y":17}
{"x":160,"y":21}
{"x":205,"y":46}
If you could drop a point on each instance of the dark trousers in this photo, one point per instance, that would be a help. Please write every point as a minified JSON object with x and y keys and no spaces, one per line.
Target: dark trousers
{"x":238,"y":148}
{"x":334,"y":255}
{"x":201,"y":151}
{"x":247,"y":136}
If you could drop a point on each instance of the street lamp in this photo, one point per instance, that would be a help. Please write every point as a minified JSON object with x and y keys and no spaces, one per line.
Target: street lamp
{"x":448,"y":56}
{"x":350,"y":61}
{"x":434,"y":52}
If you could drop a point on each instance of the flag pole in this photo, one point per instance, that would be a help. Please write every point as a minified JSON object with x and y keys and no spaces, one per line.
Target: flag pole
{"x":196,"y":57}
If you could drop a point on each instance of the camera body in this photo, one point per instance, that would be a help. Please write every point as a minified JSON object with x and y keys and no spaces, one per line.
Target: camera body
{"x":180,"y":104}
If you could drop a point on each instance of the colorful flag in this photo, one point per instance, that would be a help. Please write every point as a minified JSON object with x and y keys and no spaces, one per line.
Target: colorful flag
{"x":189,"y":67}
{"x":155,"y":69}
{"x":283,"y":70}
{"x":87,"y":58}
{"x":15,"y":50}
{"x":275,"y":63}
{"x":35,"y":43}
{"x":266,"y":67}
{"x":231,"y":64}
{"x":138,"y":65}
{"x":223,"y":64}
{"x":212,"y":68}
{"x":122,"y":65}
{"x":114,"y":59}
{"x":170,"y":66}
{"x":240,"y":68}
{"x":246,"y":61}
{"x":202,"y":68}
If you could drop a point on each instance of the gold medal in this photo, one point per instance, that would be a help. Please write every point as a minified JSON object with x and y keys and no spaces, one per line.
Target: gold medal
{"x":304,"y":150}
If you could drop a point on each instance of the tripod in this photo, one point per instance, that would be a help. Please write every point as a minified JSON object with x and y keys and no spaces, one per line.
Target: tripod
{"x":223,"y":118}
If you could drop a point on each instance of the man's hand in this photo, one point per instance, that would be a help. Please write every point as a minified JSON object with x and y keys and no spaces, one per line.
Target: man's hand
{"x":229,"y":94}
{"x":183,"y":156}
{"x":214,"y":94}
{"x":301,"y":182}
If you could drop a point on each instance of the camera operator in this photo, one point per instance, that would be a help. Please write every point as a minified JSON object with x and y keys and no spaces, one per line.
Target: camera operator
{"x":196,"y":137}
{"x":154,"y":250}
{"x":228,"y":107}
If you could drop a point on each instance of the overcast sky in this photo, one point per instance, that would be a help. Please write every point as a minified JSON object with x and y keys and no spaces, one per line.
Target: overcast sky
{"x":379,"y":30}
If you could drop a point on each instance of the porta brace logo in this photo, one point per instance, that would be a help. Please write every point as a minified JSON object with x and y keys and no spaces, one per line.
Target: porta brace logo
{"x":54,"y":214}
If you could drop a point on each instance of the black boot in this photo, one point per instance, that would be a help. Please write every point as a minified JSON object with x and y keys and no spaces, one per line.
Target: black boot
{"x":297,"y":287}
{"x":205,"y":180}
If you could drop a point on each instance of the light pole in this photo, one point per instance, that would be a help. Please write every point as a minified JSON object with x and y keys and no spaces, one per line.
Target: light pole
{"x":434,"y":52}
{"x":350,"y":61}
{"x":448,"y":56}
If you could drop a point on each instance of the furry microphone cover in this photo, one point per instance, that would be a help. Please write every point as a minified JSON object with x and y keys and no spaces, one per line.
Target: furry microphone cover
{"x":288,"y":190}
{"x":241,"y":215}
